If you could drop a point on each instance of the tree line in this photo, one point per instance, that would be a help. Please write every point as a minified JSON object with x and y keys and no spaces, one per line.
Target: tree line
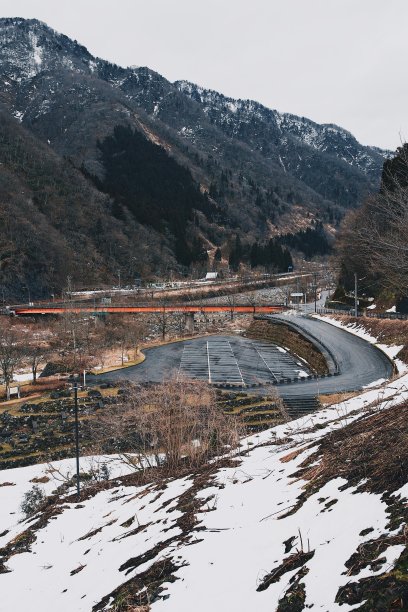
{"x":70,"y":344}
{"x":374,"y":239}
{"x":270,"y":255}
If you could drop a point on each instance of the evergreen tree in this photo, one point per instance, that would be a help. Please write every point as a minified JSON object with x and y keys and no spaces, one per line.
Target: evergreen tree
{"x":254,"y":255}
{"x":235,"y":256}
{"x":218,"y":255}
{"x":395,"y":170}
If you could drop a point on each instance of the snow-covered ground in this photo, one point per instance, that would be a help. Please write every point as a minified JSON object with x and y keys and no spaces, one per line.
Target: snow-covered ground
{"x":54,"y":474}
{"x":78,"y":557}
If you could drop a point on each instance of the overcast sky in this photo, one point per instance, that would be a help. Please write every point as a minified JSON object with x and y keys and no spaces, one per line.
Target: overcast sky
{"x":334,"y":61}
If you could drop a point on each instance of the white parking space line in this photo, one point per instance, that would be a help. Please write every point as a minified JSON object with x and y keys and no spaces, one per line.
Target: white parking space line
{"x":238,"y":362}
{"x":266,"y":365}
{"x":208,"y":364}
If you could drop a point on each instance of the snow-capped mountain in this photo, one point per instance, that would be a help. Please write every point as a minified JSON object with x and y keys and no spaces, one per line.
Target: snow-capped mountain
{"x":33,"y":56}
{"x":264,"y":173}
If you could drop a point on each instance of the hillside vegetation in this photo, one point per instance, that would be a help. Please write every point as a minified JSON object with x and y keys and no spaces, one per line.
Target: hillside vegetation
{"x":374,"y":238}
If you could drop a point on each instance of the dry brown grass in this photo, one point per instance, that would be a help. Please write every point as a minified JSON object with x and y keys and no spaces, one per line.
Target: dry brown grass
{"x":336,"y":398}
{"x":40,"y":480}
{"x":373,"y":449}
{"x":172,"y":424}
{"x":292,"y":455}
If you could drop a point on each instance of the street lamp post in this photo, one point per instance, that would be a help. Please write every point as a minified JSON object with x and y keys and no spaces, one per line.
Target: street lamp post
{"x":76,"y":433}
{"x":356,"y":292}
{"x":314,"y":286}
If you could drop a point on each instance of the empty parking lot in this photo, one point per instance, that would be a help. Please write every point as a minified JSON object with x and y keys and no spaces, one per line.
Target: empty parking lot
{"x":239,"y":361}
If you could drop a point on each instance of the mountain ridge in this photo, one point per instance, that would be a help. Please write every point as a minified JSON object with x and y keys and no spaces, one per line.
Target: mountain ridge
{"x":289,"y":121}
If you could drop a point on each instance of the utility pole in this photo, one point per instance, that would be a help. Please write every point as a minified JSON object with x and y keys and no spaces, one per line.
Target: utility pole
{"x":297,"y":291}
{"x":76,"y":434}
{"x":355,"y":295}
{"x":315,"y":291}
{"x":29,"y":295}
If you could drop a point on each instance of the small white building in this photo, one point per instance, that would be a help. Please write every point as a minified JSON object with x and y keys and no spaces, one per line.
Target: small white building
{"x":211,"y":276}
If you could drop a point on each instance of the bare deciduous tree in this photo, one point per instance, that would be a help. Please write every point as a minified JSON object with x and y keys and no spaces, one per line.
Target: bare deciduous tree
{"x":36,"y":353}
{"x":374,"y":239}
{"x":232,"y":302}
{"x":252,"y":299}
{"x":71,"y":341}
{"x":162,"y":319}
{"x":173,"y":424}
{"x":126,"y":333}
{"x":10,"y":353}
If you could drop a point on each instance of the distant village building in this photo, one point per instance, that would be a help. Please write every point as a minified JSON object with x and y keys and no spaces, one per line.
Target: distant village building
{"x":211,"y":276}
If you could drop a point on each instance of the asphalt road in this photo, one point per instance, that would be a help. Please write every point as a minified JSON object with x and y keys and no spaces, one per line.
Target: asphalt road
{"x":359,"y":362}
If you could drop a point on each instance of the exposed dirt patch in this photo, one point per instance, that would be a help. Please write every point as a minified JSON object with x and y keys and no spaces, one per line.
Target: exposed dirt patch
{"x":144,"y":589}
{"x":370,"y":554}
{"x":384,"y":593}
{"x":295,"y":597}
{"x":294,"y":561}
{"x":77,"y":570}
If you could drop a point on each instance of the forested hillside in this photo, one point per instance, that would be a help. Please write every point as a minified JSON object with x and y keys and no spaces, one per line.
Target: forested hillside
{"x":55,"y":225}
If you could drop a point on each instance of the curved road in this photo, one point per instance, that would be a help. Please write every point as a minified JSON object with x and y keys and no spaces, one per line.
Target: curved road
{"x":359,"y":362}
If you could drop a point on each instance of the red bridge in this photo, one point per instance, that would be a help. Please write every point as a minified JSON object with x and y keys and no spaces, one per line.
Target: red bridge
{"x":177,"y":308}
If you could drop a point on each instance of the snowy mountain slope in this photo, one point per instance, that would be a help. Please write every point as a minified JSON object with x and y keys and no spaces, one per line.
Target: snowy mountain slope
{"x":30,"y":49}
{"x":282,"y":524}
{"x":284,"y":130}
